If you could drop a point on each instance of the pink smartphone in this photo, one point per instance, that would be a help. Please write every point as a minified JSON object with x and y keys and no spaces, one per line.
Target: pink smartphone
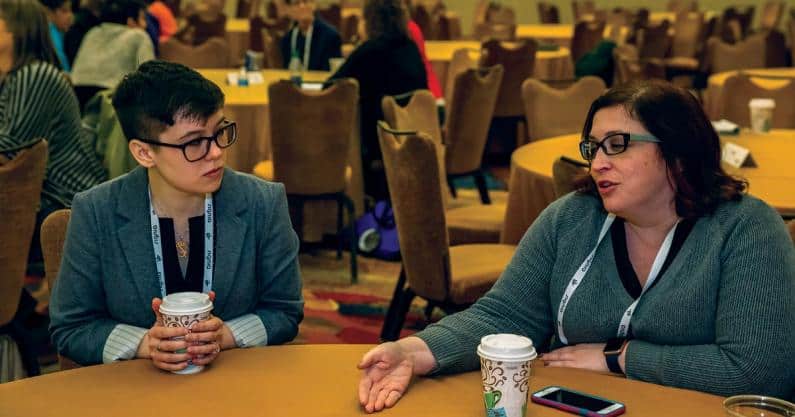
{"x":577,"y":402}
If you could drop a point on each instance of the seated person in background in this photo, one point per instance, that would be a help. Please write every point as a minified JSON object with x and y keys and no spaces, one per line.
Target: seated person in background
{"x":101,"y":309}
{"x":114,"y":48}
{"x":60,"y":16}
{"x":85,"y":18}
{"x":37,"y":102}
{"x":164,"y":17}
{"x":311,"y":39}
{"x":416,"y":35}
{"x":658,"y":229}
{"x":388,"y":63}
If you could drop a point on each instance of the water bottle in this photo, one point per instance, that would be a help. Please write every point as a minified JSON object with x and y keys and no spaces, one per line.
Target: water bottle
{"x":242,"y":78}
{"x":296,"y":69}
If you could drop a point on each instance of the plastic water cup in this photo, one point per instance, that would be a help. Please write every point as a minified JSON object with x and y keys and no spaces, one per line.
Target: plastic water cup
{"x":506,"y":365}
{"x":184,"y":309}
{"x":757,"y":406}
{"x":761,"y":114}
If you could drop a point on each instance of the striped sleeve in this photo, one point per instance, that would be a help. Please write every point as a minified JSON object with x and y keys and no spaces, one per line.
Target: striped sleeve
{"x":23,"y":96}
{"x":248,"y":331}
{"x":122,"y":343}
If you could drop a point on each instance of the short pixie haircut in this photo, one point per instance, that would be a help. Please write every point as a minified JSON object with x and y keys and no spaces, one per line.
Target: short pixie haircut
{"x":151,"y":99}
{"x":688,"y":143}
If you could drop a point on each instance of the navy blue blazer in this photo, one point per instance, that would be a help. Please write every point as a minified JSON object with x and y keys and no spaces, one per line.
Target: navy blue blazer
{"x":108,"y":274}
{"x":326,"y":43}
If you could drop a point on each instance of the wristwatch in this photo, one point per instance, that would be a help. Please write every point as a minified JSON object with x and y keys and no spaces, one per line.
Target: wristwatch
{"x":613,"y":349}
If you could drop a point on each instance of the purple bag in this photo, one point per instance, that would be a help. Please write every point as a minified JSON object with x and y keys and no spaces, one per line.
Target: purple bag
{"x":378,"y":236}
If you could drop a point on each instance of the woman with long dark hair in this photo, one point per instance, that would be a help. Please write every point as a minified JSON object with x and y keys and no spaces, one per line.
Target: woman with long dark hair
{"x":659,"y":268}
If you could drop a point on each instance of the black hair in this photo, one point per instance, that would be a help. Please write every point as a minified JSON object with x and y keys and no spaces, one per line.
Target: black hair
{"x":118,"y":11}
{"x":688,"y":143}
{"x":53,"y":4}
{"x":152,"y":98}
{"x":387,"y":18}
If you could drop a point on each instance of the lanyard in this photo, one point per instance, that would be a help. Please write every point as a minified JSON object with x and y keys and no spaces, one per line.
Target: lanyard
{"x":576,"y":280}
{"x":209,"y":234}
{"x":307,"y":45}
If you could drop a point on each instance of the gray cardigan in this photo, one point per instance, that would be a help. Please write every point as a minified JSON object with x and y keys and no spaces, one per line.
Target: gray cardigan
{"x":108,"y":275}
{"x":721,"y":319}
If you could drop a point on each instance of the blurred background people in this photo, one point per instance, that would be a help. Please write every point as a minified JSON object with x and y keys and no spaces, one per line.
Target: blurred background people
{"x":60,"y":16}
{"x":387,"y":63}
{"x":313,"y":40}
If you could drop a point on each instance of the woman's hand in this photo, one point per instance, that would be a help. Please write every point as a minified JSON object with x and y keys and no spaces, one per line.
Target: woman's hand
{"x":387,"y":372}
{"x":158,"y":346}
{"x":207,"y":338}
{"x":388,"y":369}
{"x":584,"y":356}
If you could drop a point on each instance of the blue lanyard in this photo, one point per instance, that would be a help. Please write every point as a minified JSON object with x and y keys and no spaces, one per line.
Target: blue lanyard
{"x":209,"y":236}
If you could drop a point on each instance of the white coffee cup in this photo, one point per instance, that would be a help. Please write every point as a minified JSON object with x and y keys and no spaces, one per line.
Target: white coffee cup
{"x":184,"y":309}
{"x":761,"y":114}
{"x":506,"y":365}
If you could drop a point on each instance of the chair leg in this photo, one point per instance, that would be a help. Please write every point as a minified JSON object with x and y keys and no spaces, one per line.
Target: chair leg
{"x":480,"y":181}
{"x":451,"y":185}
{"x":353,"y":238}
{"x":339,"y":229}
{"x":398,"y":308}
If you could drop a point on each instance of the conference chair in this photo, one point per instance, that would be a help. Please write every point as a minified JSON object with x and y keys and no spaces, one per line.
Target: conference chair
{"x":214,"y":53}
{"x":448,"y":277}
{"x":200,"y":27}
{"x":53,"y":236}
{"x":311,"y":133}
{"x":739,"y":89}
{"x":687,"y":44}
{"x":564,"y":172}
{"x":21,"y":182}
{"x":465,"y":224}
{"x":548,"y":13}
{"x":449,"y":26}
{"x":553,"y":112}
{"x":586,"y":36}
{"x":462,"y":60}
{"x":749,"y":53}
{"x":470,"y":111}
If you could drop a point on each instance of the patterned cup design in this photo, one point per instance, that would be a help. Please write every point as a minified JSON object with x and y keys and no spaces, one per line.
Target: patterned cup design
{"x":505,"y":387}
{"x":185,"y":320}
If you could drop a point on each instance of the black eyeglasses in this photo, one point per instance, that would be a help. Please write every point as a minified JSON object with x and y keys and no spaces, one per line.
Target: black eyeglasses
{"x":612,"y":144}
{"x":198,"y":148}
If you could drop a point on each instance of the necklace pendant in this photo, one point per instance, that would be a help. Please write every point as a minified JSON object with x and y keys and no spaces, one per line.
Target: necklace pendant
{"x":182,"y":249}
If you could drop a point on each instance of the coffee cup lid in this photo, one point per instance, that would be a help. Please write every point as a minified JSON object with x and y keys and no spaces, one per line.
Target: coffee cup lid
{"x":763,"y":103}
{"x":504,"y":346}
{"x":180,"y":303}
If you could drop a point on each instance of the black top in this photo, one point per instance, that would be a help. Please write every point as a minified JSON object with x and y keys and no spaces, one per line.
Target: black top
{"x":625,"y":271}
{"x":84,"y":21}
{"x":326,"y":43}
{"x":194,"y":273}
{"x":382,"y":66}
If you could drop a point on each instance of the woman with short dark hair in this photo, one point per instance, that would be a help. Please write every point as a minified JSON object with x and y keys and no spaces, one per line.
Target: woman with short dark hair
{"x":659,"y":268}
{"x":388,"y":63}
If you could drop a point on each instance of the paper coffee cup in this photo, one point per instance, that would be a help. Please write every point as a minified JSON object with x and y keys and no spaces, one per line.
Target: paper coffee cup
{"x":761,"y":114}
{"x":184,"y":309}
{"x":506,"y":364}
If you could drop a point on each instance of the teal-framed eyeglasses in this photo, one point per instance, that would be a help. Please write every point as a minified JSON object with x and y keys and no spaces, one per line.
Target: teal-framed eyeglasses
{"x":612,"y":144}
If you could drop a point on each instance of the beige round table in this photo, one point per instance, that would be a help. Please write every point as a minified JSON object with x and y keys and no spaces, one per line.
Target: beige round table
{"x":531,"y":187}
{"x":549,"y":65}
{"x":306,"y":380}
{"x":557,"y":33}
{"x":765,"y":77}
{"x":248,"y":106}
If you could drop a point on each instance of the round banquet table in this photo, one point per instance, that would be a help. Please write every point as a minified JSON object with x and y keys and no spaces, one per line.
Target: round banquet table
{"x":765,"y":77}
{"x":531,"y":187}
{"x":305,"y":380}
{"x":549,"y":65}
{"x":248,"y":106}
